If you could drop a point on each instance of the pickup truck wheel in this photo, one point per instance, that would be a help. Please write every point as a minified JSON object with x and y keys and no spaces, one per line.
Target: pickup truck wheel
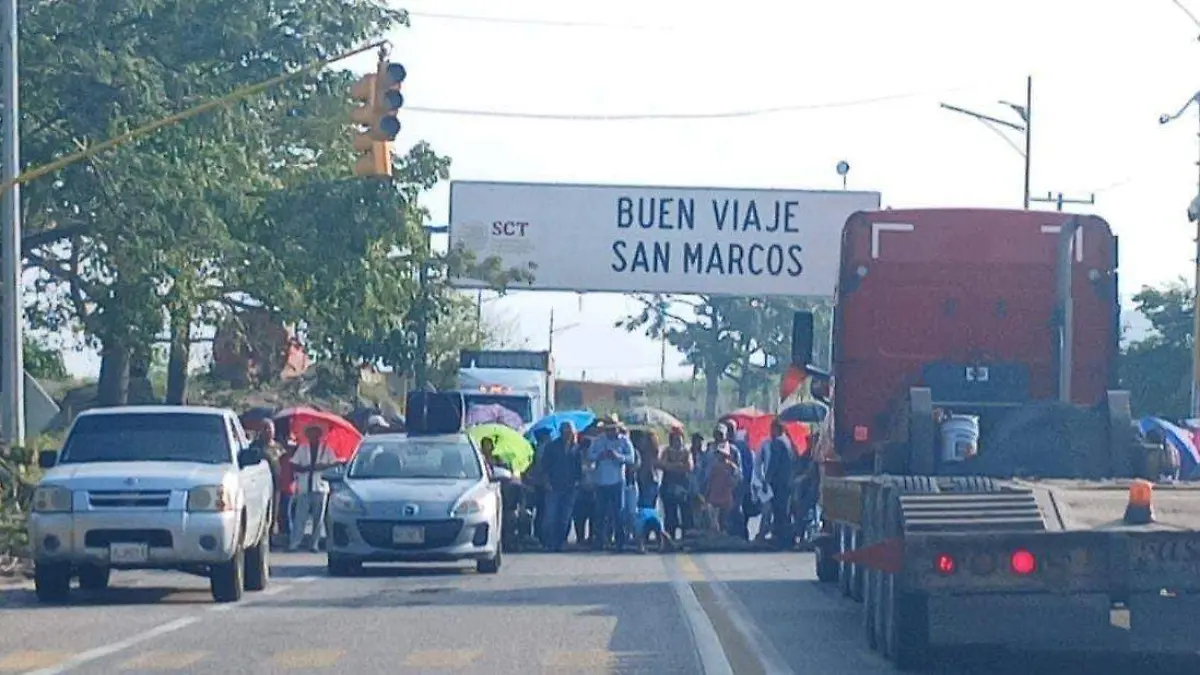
{"x":94,"y":577}
{"x":490,"y":565}
{"x":258,"y":565}
{"x":340,"y":566}
{"x":52,"y":582}
{"x":228,"y":579}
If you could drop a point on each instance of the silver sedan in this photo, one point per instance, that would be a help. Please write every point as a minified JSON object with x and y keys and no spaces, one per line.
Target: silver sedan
{"x":414,"y":499}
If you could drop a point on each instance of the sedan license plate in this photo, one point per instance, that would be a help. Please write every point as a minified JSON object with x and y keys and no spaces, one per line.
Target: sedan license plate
{"x":128,"y":554}
{"x":408,"y":534}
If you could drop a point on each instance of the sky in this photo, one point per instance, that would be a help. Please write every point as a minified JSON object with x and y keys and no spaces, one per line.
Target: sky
{"x":857,"y":81}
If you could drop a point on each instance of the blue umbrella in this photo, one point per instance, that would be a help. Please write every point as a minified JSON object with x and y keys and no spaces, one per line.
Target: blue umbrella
{"x":581,"y":419}
{"x":1180,"y":438}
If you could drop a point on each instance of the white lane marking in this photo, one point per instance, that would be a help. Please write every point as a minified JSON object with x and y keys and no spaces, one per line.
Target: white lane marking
{"x":770,"y":658}
{"x":303,"y":580}
{"x":120,"y":645}
{"x":84,"y":658}
{"x":708,"y":645}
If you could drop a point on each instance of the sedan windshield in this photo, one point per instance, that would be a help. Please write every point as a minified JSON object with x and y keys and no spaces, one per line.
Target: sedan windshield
{"x":148,"y":437}
{"x":406,"y":458}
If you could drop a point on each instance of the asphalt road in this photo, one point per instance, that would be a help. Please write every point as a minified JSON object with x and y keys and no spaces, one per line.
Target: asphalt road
{"x":587,"y":612}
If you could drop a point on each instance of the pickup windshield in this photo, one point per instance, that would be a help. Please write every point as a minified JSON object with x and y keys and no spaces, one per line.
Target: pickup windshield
{"x":405,"y":458}
{"x":147,"y":437}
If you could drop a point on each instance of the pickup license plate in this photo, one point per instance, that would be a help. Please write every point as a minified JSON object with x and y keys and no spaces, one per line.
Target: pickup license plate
{"x":1165,"y":555}
{"x":408,"y":534}
{"x":128,"y":554}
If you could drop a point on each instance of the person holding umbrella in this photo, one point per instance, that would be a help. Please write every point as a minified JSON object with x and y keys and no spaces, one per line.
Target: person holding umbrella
{"x":312,"y":492}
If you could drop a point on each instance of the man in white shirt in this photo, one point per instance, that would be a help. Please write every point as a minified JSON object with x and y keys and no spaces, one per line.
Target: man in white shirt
{"x":312,"y":491}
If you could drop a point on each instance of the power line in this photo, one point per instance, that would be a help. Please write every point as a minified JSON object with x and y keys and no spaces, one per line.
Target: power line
{"x":530,"y":22}
{"x":1185,"y":10}
{"x":627,"y":117}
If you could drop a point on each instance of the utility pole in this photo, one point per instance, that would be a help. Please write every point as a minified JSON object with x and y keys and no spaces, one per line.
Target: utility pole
{"x":1195,"y":403}
{"x":1058,"y":200}
{"x":12,"y":365}
{"x":479,"y":311}
{"x":1025,"y":128}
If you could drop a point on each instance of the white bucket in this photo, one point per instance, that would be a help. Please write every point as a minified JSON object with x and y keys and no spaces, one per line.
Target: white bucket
{"x":960,"y":437}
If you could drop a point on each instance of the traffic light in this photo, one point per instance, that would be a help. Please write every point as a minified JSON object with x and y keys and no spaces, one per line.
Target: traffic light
{"x":380,"y":94}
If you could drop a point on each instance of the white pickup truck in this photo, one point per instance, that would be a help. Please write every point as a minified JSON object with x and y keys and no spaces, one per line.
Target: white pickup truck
{"x":153,"y":487}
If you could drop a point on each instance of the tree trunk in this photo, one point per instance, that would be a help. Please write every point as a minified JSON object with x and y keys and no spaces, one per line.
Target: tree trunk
{"x":113,"y":387}
{"x":177,"y":363}
{"x":712,"y":388}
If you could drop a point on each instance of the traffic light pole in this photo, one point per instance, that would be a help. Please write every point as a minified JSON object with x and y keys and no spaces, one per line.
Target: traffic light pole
{"x":12,"y":367}
{"x":31,"y":175}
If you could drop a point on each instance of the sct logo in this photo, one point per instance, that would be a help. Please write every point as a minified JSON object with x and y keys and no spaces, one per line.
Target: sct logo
{"x":509,"y":228}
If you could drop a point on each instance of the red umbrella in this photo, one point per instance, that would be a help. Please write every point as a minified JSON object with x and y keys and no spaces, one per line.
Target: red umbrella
{"x":340,"y":435}
{"x":758,"y":429}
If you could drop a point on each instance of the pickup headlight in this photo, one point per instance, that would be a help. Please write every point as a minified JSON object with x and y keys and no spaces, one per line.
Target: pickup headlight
{"x":52,"y":499}
{"x":346,"y":501}
{"x":210,"y":498}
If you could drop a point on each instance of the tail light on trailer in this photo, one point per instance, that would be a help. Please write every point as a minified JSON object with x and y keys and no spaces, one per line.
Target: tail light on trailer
{"x":944,"y":564}
{"x":1023,"y":563}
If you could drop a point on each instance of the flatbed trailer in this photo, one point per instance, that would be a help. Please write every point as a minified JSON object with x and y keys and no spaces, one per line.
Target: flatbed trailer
{"x":1047,"y":531}
{"x":1043,"y":565}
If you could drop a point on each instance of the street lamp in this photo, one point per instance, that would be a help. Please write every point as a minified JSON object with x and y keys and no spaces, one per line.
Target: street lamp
{"x":552,"y":331}
{"x":1193,"y":213}
{"x":1025,"y":128}
{"x":843,"y":170}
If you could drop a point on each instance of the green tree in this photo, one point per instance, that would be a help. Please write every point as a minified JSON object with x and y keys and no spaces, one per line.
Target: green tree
{"x":1157,"y":368}
{"x":745,"y":340}
{"x":168,"y":222}
{"x":43,"y":362}
{"x":702,"y":327}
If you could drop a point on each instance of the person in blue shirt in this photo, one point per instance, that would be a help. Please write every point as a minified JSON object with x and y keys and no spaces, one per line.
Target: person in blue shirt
{"x":612,"y":452}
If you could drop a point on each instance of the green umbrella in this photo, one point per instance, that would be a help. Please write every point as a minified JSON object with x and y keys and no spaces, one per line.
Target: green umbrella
{"x":511,"y":447}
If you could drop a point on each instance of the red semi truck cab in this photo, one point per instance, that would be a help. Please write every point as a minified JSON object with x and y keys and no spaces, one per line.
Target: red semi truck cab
{"x":965,"y":302}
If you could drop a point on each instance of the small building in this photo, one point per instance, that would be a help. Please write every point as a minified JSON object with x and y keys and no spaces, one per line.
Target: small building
{"x":576,"y":394}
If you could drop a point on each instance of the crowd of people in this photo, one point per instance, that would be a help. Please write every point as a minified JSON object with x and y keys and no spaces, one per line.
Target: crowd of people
{"x":621,"y":489}
{"x":617,"y":489}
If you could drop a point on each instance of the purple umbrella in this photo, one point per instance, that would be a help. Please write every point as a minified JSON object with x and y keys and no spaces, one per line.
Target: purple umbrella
{"x":493,"y":413}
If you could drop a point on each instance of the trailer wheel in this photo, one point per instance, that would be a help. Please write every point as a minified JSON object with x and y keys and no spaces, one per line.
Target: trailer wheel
{"x":906,"y":627}
{"x":868,"y":575}
{"x":856,"y":570}
{"x":827,"y":564}
{"x":844,"y":568}
{"x":973,"y":484}
{"x":905,"y":618}
{"x":917,"y":484}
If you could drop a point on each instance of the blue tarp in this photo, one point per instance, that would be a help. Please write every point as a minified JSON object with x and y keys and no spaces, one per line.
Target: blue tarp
{"x":581,"y":419}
